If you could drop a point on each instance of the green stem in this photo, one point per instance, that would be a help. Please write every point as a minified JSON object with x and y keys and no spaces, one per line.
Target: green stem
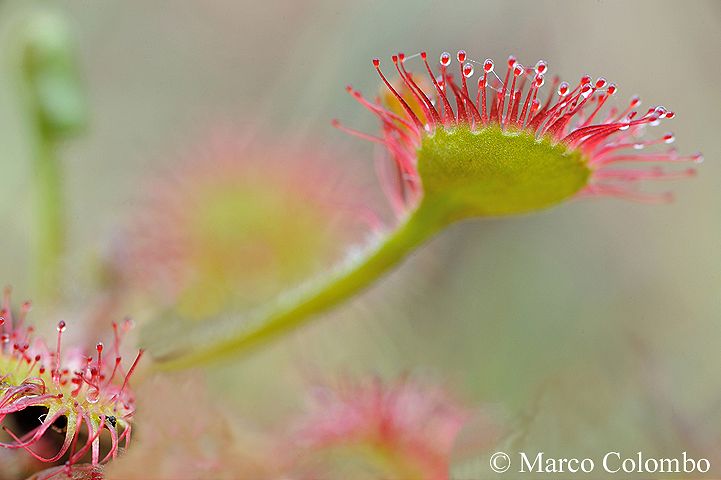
{"x":241,"y":335}
{"x":49,"y":208}
{"x":54,"y":101}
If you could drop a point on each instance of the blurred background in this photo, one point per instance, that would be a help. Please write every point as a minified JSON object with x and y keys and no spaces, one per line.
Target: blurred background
{"x":590,"y":327}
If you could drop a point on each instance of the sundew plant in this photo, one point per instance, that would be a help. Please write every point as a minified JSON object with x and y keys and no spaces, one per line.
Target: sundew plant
{"x":264,"y":244}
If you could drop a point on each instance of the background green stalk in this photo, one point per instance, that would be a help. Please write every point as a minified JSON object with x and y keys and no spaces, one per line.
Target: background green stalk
{"x":49,"y":212}
{"x":55,"y":111}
